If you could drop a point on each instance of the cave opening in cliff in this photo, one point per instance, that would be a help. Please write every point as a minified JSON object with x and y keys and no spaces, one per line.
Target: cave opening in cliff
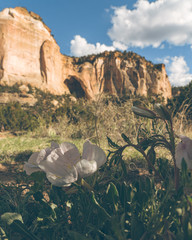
{"x":75,"y":87}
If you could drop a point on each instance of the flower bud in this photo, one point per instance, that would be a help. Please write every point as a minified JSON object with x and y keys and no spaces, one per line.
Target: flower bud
{"x":162,"y":111}
{"x":144,"y":112}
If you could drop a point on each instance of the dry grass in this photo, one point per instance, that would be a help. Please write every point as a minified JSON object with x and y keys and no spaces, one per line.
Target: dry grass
{"x":182,"y":125}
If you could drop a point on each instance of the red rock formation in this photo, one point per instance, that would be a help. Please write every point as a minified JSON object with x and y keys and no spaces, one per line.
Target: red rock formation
{"x":30,"y":55}
{"x":120,"y":73}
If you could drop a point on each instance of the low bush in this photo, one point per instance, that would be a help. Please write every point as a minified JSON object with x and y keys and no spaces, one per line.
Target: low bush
{"x":10,"y":89}
{"x":14,"y":118}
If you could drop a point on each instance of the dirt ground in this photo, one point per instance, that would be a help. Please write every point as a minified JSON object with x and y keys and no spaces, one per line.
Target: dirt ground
{"x":9,"y":173}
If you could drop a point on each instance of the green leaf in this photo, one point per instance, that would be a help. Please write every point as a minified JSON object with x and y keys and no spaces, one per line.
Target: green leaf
{"x":149,"y":185}
{"x":162,"y":111}
{"x":185,"y":226}
{"x":123,"y":166}
{"x":53,"y":207}
{"x":23,"y":230}
{"x":3,"y":234}
{"x":15,"y":221}
{"x":184,"y":172}
{"x":38,"y":176}
{"x":183,"y":166}
{"x":151,"y":157}
{"x":86,"y":185}
{"x":113,"y":195}
{"x":145,"y":143}
{"x":125,"y":138}
{"x":114,"y":159}
{"x":9,"y":217}
{"x":117,"y":226}
{"x":112,"y":144}
{"x":38,"y":196}
{"x":137,"y":228}
{"x":107,"y":237}
{"x":125,"y":194}
{"x":77,"y":236}
{"x":101,"y":211}
{"x":179,"y":211}
{"x":46,"y":210}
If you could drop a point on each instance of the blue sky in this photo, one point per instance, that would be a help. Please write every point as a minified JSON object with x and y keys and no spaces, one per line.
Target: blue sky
{"x":159,"y":30}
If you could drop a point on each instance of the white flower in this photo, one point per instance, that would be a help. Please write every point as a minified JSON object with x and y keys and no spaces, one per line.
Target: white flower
{"x":59,"y":164}
{"x":62,"y":163}
{"x":93,"y":158}
{"x":32,"y":164}
{"x":184,"y":150}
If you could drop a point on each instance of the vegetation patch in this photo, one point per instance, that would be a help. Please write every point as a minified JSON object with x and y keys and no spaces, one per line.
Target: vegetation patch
{"x":137,"y":194}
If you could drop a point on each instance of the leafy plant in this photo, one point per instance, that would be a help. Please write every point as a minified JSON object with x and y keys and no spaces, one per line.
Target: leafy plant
{"x":115,"y":203}
{"x":159,"y":217}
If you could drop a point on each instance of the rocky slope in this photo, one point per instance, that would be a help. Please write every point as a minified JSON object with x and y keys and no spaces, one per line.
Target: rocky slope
{"x":30,"y":55}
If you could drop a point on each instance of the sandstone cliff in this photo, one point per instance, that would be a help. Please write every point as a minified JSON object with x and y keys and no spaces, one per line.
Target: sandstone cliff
{"x":30,"y":55}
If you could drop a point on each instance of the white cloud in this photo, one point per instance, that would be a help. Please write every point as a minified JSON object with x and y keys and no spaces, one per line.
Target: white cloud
{"x":80,"y":47}
{"x":119,"y":46}
{"x":178,"y":70}
{"x":150,"y":24}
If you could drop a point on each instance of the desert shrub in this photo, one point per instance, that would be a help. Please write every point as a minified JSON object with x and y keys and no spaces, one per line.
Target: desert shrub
{"x":107,"y":115}
{"x":30,"y":88}
{"x":90,"y":119}
{"x":74,"y":111}
{"x":87,"y":118}
{"x":10,"y":89}
{"x":182,"y":100}
{"x":14,"y":118}
{"x":44,"y":107}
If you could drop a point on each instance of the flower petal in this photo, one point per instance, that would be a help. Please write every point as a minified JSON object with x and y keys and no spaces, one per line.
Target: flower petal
{"x":62,"y":181}
{"x":42,"y":155}
{"x":45,"y":152}
{"x":92,"y":152}
{"x":59,"y":163}
{"x":31,"y":166}
{"x":33,"y":158}
{"x":184,"y":150}
{"x":86,"y":168}
{"x":71,"y":152}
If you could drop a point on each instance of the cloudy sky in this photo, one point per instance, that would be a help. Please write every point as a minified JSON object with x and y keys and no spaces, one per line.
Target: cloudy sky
{"x":159,"y":30}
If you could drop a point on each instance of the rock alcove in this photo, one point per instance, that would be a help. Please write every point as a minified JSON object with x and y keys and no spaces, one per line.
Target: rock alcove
{"x":75,"y":87}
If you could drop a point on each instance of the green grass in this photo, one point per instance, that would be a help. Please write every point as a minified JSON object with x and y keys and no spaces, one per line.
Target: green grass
{"x":15,"y":145}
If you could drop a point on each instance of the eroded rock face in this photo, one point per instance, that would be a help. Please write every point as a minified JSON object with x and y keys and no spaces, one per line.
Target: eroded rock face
{"x":28,"y":52}
{"x":119,"y":73}
{"x":30,"y":55}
